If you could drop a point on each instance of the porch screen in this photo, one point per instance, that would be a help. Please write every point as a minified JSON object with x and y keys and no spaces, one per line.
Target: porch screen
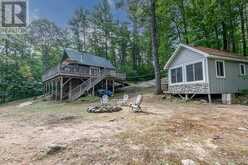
{"x":194,"y":72}
{"x":177,"y":75}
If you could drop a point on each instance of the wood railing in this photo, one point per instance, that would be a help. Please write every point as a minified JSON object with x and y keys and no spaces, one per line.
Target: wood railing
{"x":79,"y":71}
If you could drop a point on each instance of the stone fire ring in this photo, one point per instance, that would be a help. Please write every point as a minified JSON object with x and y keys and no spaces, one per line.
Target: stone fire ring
{"x":103,"y":109}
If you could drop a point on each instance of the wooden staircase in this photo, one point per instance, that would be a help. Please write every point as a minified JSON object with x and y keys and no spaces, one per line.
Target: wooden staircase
{"x":84,"y":87}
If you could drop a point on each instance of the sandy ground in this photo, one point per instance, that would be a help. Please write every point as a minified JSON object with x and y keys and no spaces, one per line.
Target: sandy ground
{"x":166,"y":133}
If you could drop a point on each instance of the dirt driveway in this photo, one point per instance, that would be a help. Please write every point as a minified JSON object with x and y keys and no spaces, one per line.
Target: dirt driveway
{"x":166,"y":133}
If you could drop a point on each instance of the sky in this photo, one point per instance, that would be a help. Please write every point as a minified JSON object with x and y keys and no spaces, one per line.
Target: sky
{"x":60,"y":11}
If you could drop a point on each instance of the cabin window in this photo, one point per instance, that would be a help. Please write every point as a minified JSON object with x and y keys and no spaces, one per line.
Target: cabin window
{"x":220,"y":69}
{"x":176,"y":75}
{"x":194,"y":72}
{"x":242,"y":69}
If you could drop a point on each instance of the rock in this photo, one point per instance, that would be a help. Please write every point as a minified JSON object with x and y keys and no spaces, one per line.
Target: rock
{"x":188,"y":162}
{"x":203,"y":101}
{"x":54,"y":148}
{"x":242,"y":129}
{"x":218,"y":137}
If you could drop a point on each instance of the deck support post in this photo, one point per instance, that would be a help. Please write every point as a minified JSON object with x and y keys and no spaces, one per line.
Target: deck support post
{"x":113,"y":85}
{"x":106,"y":83}
{"x":186,"y":97}
{"x":61,"y":88}
{"x":44,"y":89}
{"x":52,"y":87}
{"x":56,"y":89}
{"x":48,"y":87}
{"x":93,"y":91}
{"x":70,"y":88}
{"x":209,"y":99}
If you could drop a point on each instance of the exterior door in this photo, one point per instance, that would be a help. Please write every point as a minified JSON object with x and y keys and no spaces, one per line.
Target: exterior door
{"x":94,"y":71}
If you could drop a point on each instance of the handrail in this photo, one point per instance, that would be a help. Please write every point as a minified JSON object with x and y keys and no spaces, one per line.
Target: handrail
{"x":79,"y":71}
{"x":86,"y":85}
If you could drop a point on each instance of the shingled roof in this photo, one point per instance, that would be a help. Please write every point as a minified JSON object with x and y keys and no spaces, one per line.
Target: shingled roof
{"x":220,"y":53}
{"x":208,"y":53}
{"x":87,"y":59}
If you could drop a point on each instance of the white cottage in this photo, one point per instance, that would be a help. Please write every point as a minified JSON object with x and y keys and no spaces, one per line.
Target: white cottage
{"x":199,"y":70}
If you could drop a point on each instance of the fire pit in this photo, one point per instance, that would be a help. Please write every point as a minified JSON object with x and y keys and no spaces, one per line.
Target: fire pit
{"x":103,"y":109}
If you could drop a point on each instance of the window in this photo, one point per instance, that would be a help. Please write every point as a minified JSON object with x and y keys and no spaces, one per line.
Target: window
{"x":242,"y":69}
{"x":176,"y":75}
{"x":220,"y":69}
{"x":194,"y":72}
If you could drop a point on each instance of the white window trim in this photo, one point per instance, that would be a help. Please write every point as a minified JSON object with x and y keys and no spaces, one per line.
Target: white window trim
{"x":224,"y":69}
{"x":241,"y":74}
{"x":184,"y":73}
{"x":203,"y":74}
{"x":175,"y":67}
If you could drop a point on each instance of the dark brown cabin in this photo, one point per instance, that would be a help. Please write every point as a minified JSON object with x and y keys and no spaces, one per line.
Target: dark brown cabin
{"x":79,"y":74}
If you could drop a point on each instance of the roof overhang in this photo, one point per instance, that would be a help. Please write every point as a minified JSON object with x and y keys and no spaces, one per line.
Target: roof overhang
{"x":202,"y":53}
{"x":228,"y":58}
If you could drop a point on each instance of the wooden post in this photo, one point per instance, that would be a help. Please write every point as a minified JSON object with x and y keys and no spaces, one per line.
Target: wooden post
{"x":48,"y":87}
{"x":45,"y":90}
{"x":209,"y":99}
{"x":56,"y":89}
{"x":70,"y":90}
{"x":52,"y":88}
{"x":61,"y":89}
{"x":106,"y":83}
{"x":113,"y":85}
{"x":186,"y":97}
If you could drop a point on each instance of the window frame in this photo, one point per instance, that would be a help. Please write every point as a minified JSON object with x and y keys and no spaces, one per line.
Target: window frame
{"x":176,"y":67}
{"x":224,"y":69}
{"x":240,"y":70}
{"x":193,"y":64}
{"x":204,"y":70}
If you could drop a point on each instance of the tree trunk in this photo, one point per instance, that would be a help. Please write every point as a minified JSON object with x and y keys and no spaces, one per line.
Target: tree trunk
{"x":184,"y":21}
{"x":241,"y":11}
{"x":45,"y":58}
{"x":224,"y":35}
{"x":155,"y":47}
{"x":134,"y":46}
{"x":217,"y":36}
{"x":231,"y":17}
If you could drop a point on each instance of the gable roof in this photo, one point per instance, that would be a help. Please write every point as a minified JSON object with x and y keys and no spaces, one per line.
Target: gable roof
{"x":208,"y":53}
{"x":220,"y":53}
{"x":87,"y":59}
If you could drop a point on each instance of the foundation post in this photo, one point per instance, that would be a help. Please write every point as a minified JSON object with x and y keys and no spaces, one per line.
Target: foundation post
{"x":61,"y":89}
{"x":113,"y":85}
{"x":209,"y":99}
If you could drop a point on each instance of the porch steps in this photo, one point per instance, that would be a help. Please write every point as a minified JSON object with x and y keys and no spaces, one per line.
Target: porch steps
{"x":84,"y":87}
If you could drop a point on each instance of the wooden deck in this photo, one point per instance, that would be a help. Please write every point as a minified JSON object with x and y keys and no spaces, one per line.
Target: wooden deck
{"x":72,"y":71}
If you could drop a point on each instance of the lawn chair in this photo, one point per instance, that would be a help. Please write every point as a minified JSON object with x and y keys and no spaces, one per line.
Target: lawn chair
{"x":136,"y":107}
{"x":105,"y":100}
{"x":124,"y":101}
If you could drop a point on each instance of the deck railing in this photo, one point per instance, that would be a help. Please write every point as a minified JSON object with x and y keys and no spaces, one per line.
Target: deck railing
{"x":78,"y":71}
